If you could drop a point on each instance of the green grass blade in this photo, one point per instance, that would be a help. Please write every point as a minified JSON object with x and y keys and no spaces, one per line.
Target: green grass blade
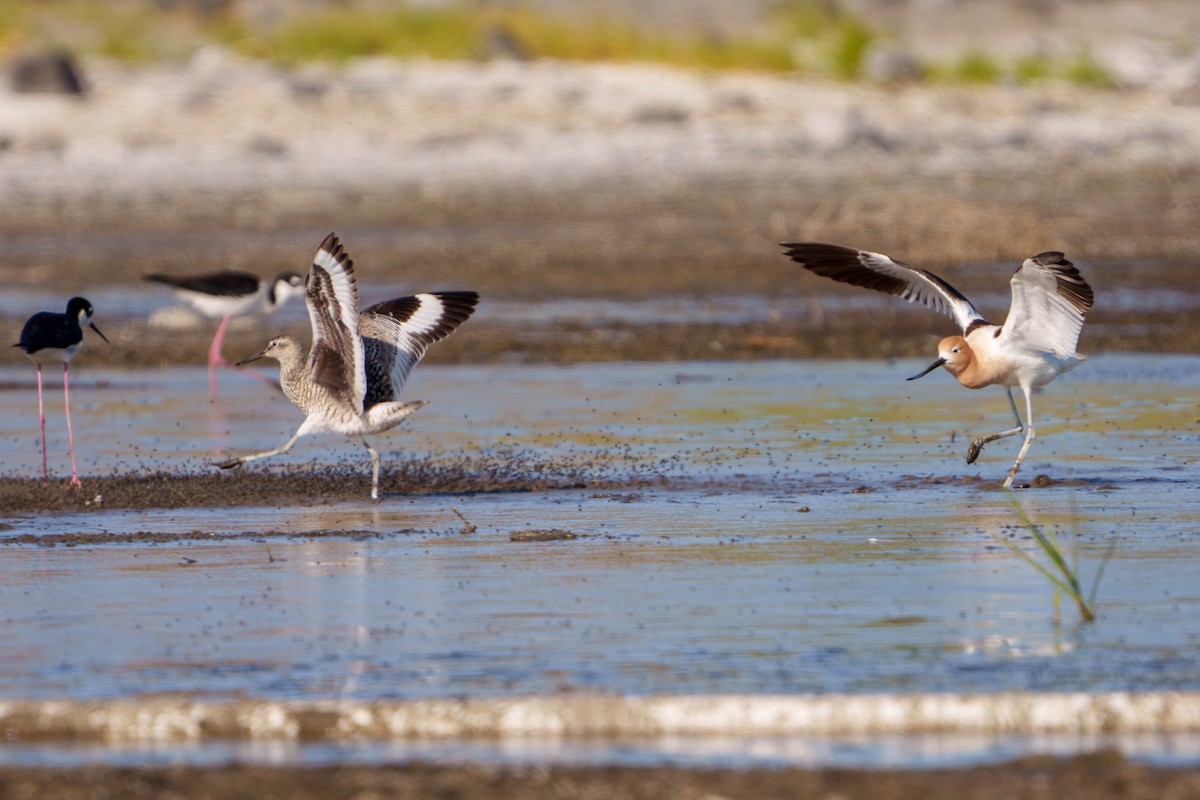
{"x":1050,"y":576}
{"x":1112,"y":547}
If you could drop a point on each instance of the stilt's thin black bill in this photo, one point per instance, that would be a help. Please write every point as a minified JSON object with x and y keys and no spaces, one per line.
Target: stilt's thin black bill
{"x":928,"y":369}
{"x":97,"y":330}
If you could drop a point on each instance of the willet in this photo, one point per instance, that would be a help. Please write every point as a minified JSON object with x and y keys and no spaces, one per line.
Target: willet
{"x":351,"y":381}
{"x":1034,"y":346}
{"x":49,"y":337}
{"x":227,"y":294}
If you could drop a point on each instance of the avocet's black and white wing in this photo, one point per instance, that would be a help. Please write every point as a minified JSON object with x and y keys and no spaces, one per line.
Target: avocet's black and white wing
{"x":336,"y":359}
{"x":396,"y":334}
{"x":1049,"y":301}
{"x":888,"y":275}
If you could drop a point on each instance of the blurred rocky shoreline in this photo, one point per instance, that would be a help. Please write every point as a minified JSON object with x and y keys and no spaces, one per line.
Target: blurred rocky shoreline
{"x":224,"y":141}
{"x":217,"y":140}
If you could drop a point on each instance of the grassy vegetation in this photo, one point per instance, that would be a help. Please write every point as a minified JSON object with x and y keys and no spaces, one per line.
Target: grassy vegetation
{"x":1062,"y":575}
{"x":1084,"y":70}
{"x":805,"y":36}
{"x":341,"y":33}
{"x":976,"y":67}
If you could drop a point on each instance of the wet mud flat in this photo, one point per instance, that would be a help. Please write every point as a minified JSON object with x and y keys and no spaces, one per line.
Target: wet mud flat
{"x":1099,"y":776}
{"x":313,"y":485}
{"x":569,"y":292}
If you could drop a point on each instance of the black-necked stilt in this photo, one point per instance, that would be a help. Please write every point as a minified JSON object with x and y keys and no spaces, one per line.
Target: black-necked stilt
{"x":49,"y":337}
{"x":351,"y":381}
{"x":1034,"y":346}
{"x":227,"y":294}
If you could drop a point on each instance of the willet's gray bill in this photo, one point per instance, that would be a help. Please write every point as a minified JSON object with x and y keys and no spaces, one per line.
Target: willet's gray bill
{"x":50,"y":337}
{"x":351,"y":380}
{"x":227,"y":294}
{"x":1034,"y":346}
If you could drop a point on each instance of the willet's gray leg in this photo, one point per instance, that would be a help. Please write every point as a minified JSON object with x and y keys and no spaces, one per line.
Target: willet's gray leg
{"x":237,"y":462}
{"x":374,"y":467}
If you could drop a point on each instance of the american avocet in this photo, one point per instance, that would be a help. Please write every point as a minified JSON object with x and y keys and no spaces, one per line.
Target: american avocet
{"x":49,"y":337}
{"x":1035,"y":344}
{"x":222,"y":295}
{"x":351,"y":381}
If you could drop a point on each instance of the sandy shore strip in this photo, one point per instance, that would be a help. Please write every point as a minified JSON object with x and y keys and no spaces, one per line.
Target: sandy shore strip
{"x":174,"y":720}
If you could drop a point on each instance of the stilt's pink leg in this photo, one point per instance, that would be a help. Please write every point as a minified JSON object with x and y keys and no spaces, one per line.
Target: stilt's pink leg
{"x":265,"y":380}
{"x":42,"y":425}
{"x":215,"y":359}
{"x":214,"y":351}
{"x":75,"y":484}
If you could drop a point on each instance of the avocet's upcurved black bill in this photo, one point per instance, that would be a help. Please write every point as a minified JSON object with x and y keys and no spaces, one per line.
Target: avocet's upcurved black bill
{"x":928,"y":369}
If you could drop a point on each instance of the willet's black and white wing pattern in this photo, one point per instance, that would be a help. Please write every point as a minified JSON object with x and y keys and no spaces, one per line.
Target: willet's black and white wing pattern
{"x":336,"y":359}
{"x":396,"y":334}
{"x":1049,"y":301}
{"x":884,"y":274}
{"x":230,"y":283}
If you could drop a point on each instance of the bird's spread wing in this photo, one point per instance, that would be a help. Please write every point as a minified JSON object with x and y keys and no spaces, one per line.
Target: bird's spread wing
{"x":883,"y":274}
{"x":396,"y":334}
{"x":230,"y":283}
{"x":336,"y":359}
{"x":1049,"y":301}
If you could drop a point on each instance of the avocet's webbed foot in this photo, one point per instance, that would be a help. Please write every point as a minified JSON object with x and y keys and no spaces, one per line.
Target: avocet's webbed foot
{"x":977,"y":446}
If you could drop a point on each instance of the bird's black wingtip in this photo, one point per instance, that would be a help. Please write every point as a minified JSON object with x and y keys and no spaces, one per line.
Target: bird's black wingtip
{"x":808,"y":252}
{"x":1052,"y":258}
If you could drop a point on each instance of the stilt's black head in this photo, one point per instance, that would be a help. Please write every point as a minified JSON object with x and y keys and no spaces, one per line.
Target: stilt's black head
{"x":80,"y":309}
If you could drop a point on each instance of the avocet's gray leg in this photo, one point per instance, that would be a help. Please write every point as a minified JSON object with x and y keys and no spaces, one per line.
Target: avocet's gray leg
{"x":977,"y":446}
{"x":1029,"y":436}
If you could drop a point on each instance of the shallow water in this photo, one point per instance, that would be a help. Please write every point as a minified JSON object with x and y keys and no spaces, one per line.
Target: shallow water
{"x":117,"y":302}
{"x":812,"y":534}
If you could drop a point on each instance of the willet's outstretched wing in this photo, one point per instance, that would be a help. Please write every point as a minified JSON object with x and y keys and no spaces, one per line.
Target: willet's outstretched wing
{"x":336,"y":359}
{"x":396,"y":334}
{"x":884,"y":274}
{"x":1049,"y":301}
